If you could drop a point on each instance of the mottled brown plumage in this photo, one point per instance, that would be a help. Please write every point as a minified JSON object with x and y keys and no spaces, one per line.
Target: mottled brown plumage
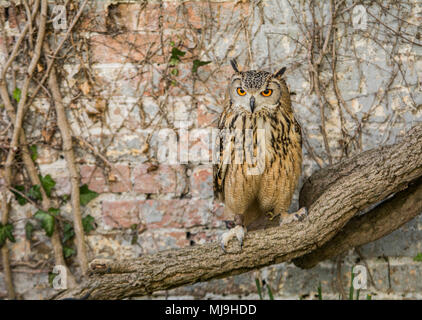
{"x":247,"y":197}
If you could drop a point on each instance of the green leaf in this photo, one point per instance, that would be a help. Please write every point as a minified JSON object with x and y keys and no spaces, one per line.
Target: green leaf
{"x":134,"y":226}
{"x":175,"y":56}
{"x":270,"y":293}
{"x":6,"y":232}
{"x":134,"y":239}
{"x":34,"y":152}
{"x":174,"y":62}
{"x":176,"y":53}
{"x":51,"y":277}
{"x":351,"y":289}
{"x":88,"y":223}
{"x":174,"y":72}
{"x":35,"y":193}
{"x":197,"y":64}
{"x":67,"y":252}
{"x":258,"y":287}
{"x":54,"y":212}
{"x":68,"y":232}
{"x":17,"y":94}
{"x":21,"y":200}
{"x":29,"y":229}
{"x":418,"y":257}
{"x":48,"y":184}
{"x":47,"y":221}
{"x":86,"y":195}
{"x":319,"y":292}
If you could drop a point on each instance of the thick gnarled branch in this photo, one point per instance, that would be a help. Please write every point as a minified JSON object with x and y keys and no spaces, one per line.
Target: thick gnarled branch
{"x":364,"y":180}
{"x":379,"y":222}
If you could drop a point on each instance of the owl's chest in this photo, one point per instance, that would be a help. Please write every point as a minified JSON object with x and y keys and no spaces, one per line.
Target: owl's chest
{"x":270,"y":135}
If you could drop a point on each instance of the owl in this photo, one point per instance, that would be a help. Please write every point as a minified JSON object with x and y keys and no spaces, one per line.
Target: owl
{"x":258,"y":152}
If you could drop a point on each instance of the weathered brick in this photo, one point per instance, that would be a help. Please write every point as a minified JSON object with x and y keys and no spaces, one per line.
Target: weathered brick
{"x":127,"y":47}
{"x":162,"y":239}
{"x":93,"y":176}
{"x":174,"y":213}
{"x":217,"y":77}
{"x":149,"y":178}
{"x":93,"y":21}
{"x":217,"y":216}
{"x":120,"y":213}
{"x":118,"y":179}
{"x":207,"y":117}
{"x":201,"y":182}
{"x":202,"y":237}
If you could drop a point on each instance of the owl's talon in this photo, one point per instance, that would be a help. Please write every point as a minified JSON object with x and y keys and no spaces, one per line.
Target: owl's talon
{"x":271,"y":215}
{"x":238,"y":232}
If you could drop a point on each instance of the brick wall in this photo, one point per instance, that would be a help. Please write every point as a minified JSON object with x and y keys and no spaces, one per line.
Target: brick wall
{"x":126,"y":91}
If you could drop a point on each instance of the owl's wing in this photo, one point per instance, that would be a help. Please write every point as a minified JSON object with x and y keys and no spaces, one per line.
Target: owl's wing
{"x":220,"y":168}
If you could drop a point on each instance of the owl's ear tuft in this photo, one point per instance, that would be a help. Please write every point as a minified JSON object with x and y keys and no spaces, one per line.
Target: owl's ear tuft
{"x":234,"y":64}
{"x":280,"y":72}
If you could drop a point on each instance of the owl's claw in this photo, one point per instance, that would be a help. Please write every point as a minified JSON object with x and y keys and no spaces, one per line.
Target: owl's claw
{"x":238,"y":232}
{"x":271,"y":215}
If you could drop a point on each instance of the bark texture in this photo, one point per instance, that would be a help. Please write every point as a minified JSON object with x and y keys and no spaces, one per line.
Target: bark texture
{"x":379,"y":222}
{"x":346,"y":189}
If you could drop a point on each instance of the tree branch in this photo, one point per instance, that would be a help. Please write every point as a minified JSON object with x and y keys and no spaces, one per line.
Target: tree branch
{"x":376,"y":174}
{"x":71,"y":163}
{"x":379,"y":222}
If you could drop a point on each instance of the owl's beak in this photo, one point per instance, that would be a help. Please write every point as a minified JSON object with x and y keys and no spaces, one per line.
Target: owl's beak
{"x":252,"y":103}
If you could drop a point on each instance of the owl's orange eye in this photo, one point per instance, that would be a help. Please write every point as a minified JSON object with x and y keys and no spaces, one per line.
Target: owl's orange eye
{"x":267,"y":92}
{"x":241,"y":92}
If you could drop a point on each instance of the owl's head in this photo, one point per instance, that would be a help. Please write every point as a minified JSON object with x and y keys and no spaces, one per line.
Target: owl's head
{"x":256,"y":90}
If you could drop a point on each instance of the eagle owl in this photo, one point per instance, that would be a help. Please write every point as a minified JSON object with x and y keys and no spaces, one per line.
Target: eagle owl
{"x":259,"y":151}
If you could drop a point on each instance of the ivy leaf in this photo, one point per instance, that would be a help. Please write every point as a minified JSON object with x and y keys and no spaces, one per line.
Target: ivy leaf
{"x":86,"y":195}
{"x":134,"y":228}
{"x":54,"y":212}
{"x":17,"y":94}
{"x":68,"y":232}
{"x":34,"y":152}
{"x":51,"y":277}
{"x":176,"y":53}
{"x":88,"y":223}
{"x":67,"y":252}
{"x":21,"y":200}
{"x":34,"y":193}
{"x":29,"y":229}
{"x":197,"y":64}
{"x":6,"y":232}
{"x":47,"y":221}
{"x":48,"y":184}
{"x":175,"y":56}
{"x":134,"y":239}
{"x":418,"y":257}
